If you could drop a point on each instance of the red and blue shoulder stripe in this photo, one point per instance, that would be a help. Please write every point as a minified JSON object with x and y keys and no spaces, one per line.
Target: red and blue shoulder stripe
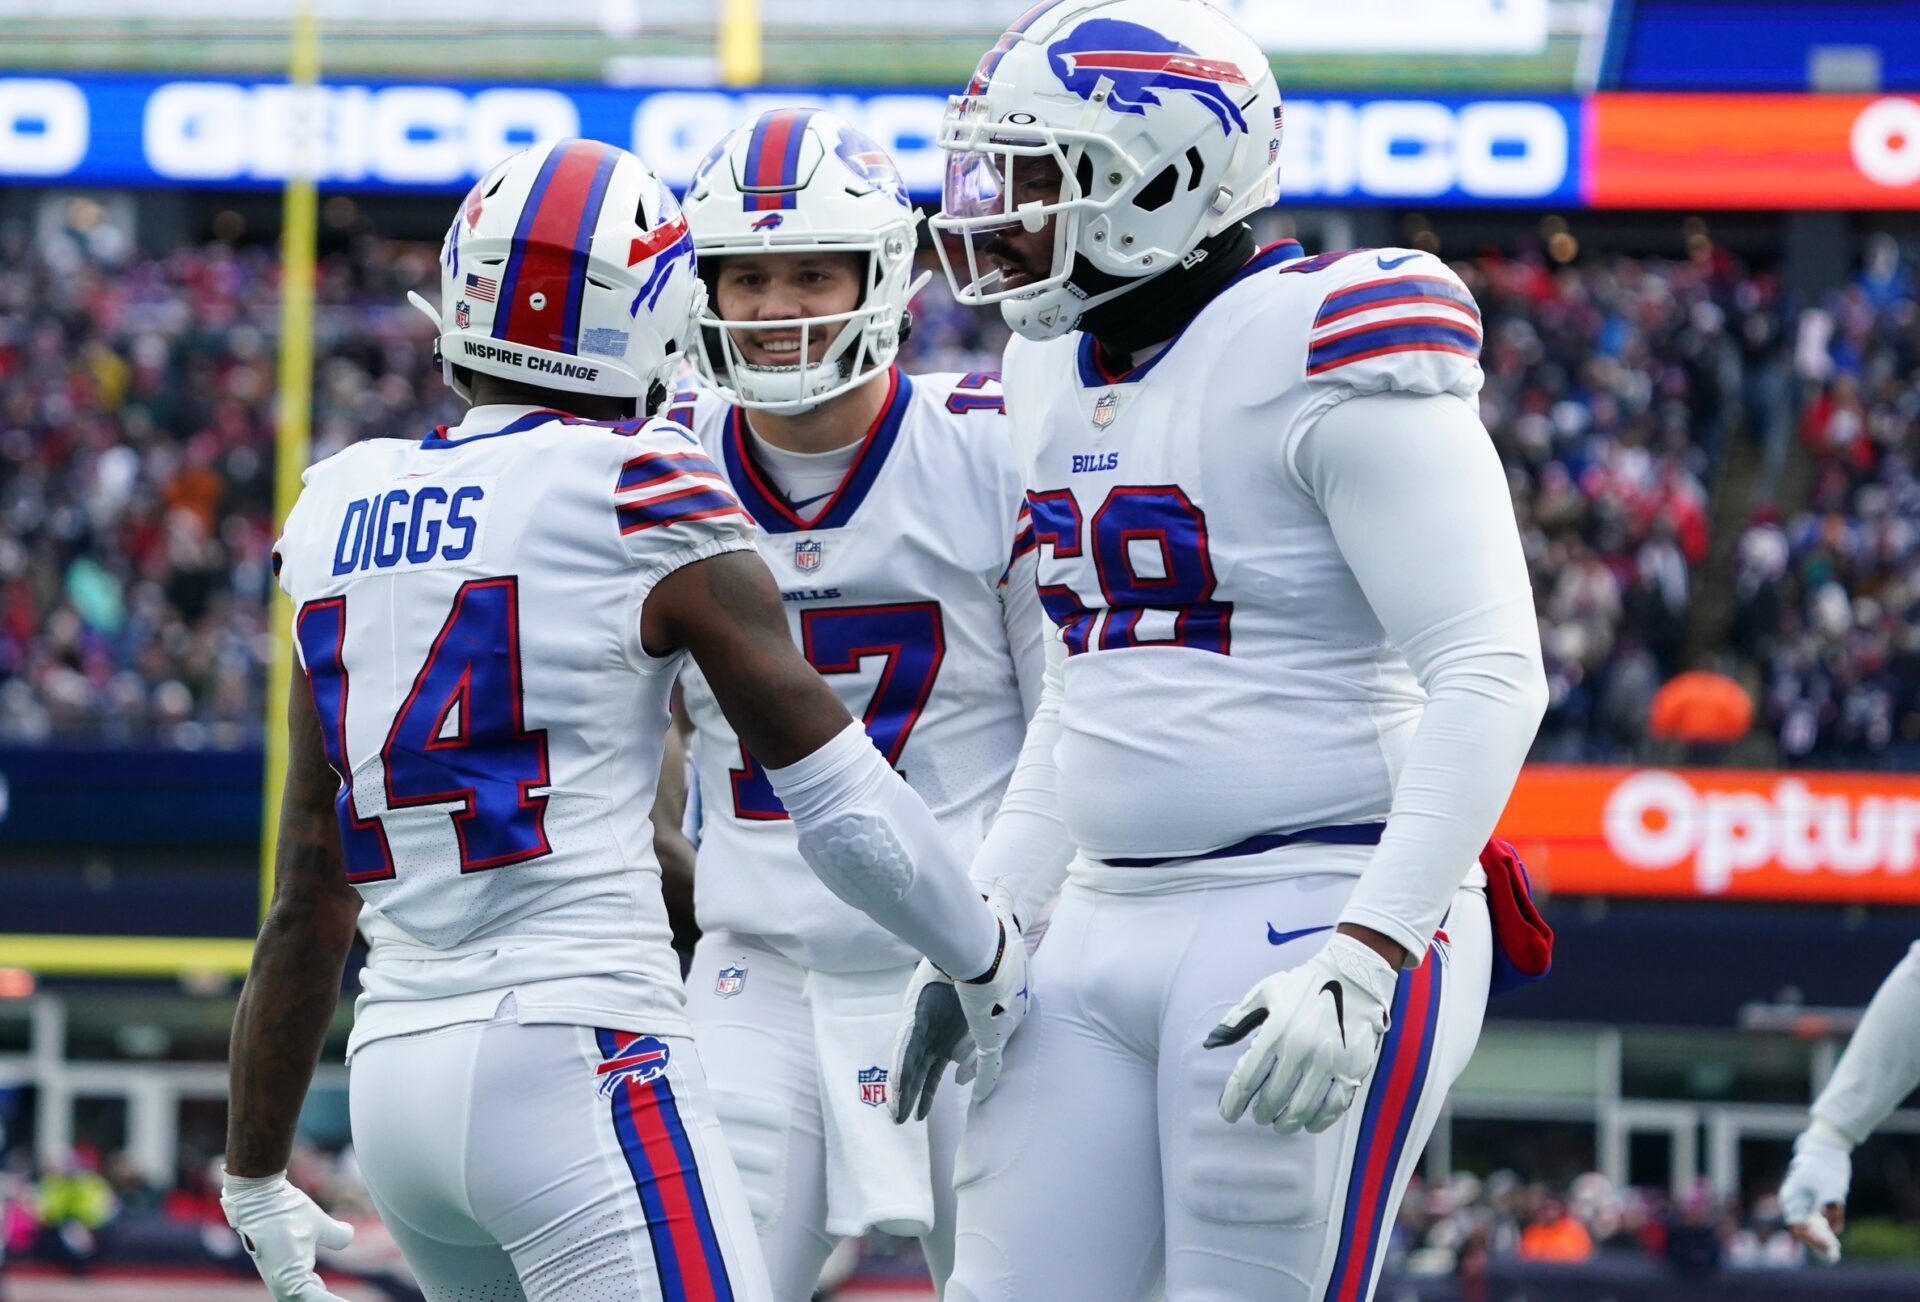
{"x":664,"y":488}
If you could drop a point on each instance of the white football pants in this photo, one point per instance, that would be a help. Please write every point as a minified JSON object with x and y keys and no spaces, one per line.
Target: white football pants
{"x":552,"y":1163}
{"x":1100,"y":1167}
{"x":756,"y":1037}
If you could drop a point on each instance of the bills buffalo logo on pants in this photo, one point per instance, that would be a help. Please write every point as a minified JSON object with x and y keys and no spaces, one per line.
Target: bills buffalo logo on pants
{"x":731,"y":981}
{"x":1139,"y":61}
{"x":642,"y":1062}
{"x":873,"y":1086}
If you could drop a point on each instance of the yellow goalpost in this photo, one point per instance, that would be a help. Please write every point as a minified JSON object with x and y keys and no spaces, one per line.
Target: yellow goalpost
{"x":292,"y":439}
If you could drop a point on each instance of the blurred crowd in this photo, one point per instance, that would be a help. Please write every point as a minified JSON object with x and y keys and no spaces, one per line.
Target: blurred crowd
{"x":137,"y":408}
{"x":94,"y":1209}
{"x":1455,"y":1227}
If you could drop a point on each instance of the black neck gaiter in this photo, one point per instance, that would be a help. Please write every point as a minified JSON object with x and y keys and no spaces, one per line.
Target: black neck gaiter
{"x":1160,"y":305}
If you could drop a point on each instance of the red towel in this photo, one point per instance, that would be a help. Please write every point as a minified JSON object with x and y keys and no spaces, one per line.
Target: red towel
{"x":1522,"y":940}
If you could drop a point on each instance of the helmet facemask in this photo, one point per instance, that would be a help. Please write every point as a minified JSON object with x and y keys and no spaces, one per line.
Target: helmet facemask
{"x":863,"y":339}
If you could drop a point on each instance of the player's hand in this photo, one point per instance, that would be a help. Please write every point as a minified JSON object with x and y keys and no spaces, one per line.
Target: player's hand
{"x":1813,"y":1197}
{"x":965,"y":1022}
{"x":280,"y":1227}
{"x":1319,"y":1031}
{"x":933,"y":1032}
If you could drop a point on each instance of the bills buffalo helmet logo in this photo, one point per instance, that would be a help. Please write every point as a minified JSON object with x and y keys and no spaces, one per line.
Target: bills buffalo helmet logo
{"x":706,"y":165}
{"x":769,"y":222}
{"x":870,"y":163}
{"x":1140,"y":62}
{"x":636,"y":1058}
{"x":873,"y":1086}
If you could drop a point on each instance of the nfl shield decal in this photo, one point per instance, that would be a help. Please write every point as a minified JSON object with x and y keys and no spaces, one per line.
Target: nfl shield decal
{"x":731,"y":981}
{"x":462,"y":314}
{"x":1105,"y":410}
{"x":806,"y":554}
{"x":873,"y":1086}
{"x":639,"y":1058}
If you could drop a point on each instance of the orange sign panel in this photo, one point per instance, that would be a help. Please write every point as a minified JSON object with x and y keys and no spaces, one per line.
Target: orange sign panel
{"x":1718,"y":833}
{"x":1753,"y":151}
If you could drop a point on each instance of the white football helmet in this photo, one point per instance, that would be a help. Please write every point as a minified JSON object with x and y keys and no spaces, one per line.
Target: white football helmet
{"x":1163,"y":119}
{"x":800,"y":180}
{"x":568,"y":266}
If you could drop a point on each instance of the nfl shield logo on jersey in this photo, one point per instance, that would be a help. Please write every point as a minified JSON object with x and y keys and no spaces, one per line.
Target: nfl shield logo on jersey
{"x":873,"y":1086}
{"x":1105,"y":410}
{"x":636,"y":1058}
{"x":731,"y":981}
{"x":806,"y":554}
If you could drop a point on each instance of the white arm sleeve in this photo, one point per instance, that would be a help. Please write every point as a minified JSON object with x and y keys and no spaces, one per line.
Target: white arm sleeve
{"x":1027,"y":849}
{"x":1026,"y":625}
{"x":1419,"y":505}
{"x":1882,"y":1063}
{"x":871,"y":839}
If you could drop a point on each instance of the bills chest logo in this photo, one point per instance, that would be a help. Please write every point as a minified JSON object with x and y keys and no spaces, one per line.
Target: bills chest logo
{"x":640,"y":1059}
{"x":1139,"y":61}
{"x":1105,"y":410}
{"x":731,"y":981}
{"x":462,"y":314}
{"x":873,"y":1086}
{"x":870,"y":163}
{"x":806,"y":554}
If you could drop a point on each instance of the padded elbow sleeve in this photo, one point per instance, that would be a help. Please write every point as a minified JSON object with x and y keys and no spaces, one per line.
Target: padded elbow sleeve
{"x":872,"y":841}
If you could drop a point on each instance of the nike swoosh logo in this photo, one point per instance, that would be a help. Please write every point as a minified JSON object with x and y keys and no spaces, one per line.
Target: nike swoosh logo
{"x":1282,"y":937}
{"x":1339,"y":1007}
{"x":809,"y":501}
{"x":1389,"y":266}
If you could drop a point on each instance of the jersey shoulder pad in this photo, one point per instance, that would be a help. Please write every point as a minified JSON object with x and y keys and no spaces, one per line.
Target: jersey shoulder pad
{"x":693,"y":406}
{"x":1389,"y":319}
{"x":974,"y":392}
{"x":670,"y":497}
{"x":354,"y":457}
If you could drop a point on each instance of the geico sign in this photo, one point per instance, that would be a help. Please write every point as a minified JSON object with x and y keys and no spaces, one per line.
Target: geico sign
{"x":1886,"y":142}
{"x":1418,"y":149}
{"x":43,"y":126}
{"x":400,"y":135}
{"x":1659,"y":820}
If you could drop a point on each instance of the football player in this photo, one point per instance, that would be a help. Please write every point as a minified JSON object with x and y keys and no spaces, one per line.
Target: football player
{"x":489,"y":621}
{"x":891,"y":515}
{"x":1300,"y":674}
{"x":1880,"y":1067}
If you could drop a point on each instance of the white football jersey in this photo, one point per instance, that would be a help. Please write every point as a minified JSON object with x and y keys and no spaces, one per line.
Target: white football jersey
{"x":910,"y":589}
{"x":467,"y":611}
{"x":1225,"y":676}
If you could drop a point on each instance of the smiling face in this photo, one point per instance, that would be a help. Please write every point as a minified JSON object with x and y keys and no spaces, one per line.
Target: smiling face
{"x":777,"y":287}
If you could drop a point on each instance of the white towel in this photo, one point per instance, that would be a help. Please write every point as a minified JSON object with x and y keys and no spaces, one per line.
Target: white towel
{"x":879,"y":1175}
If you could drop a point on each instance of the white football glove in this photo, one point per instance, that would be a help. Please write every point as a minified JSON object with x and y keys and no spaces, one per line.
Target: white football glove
{"x":1817,"y":1180}
{"x":964,"y":1022}
{"x":1320,"y":1026}
{"x":280,"y":1227}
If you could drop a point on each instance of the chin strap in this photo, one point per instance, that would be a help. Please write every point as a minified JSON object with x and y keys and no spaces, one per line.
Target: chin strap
{"x":1157,"y":307}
